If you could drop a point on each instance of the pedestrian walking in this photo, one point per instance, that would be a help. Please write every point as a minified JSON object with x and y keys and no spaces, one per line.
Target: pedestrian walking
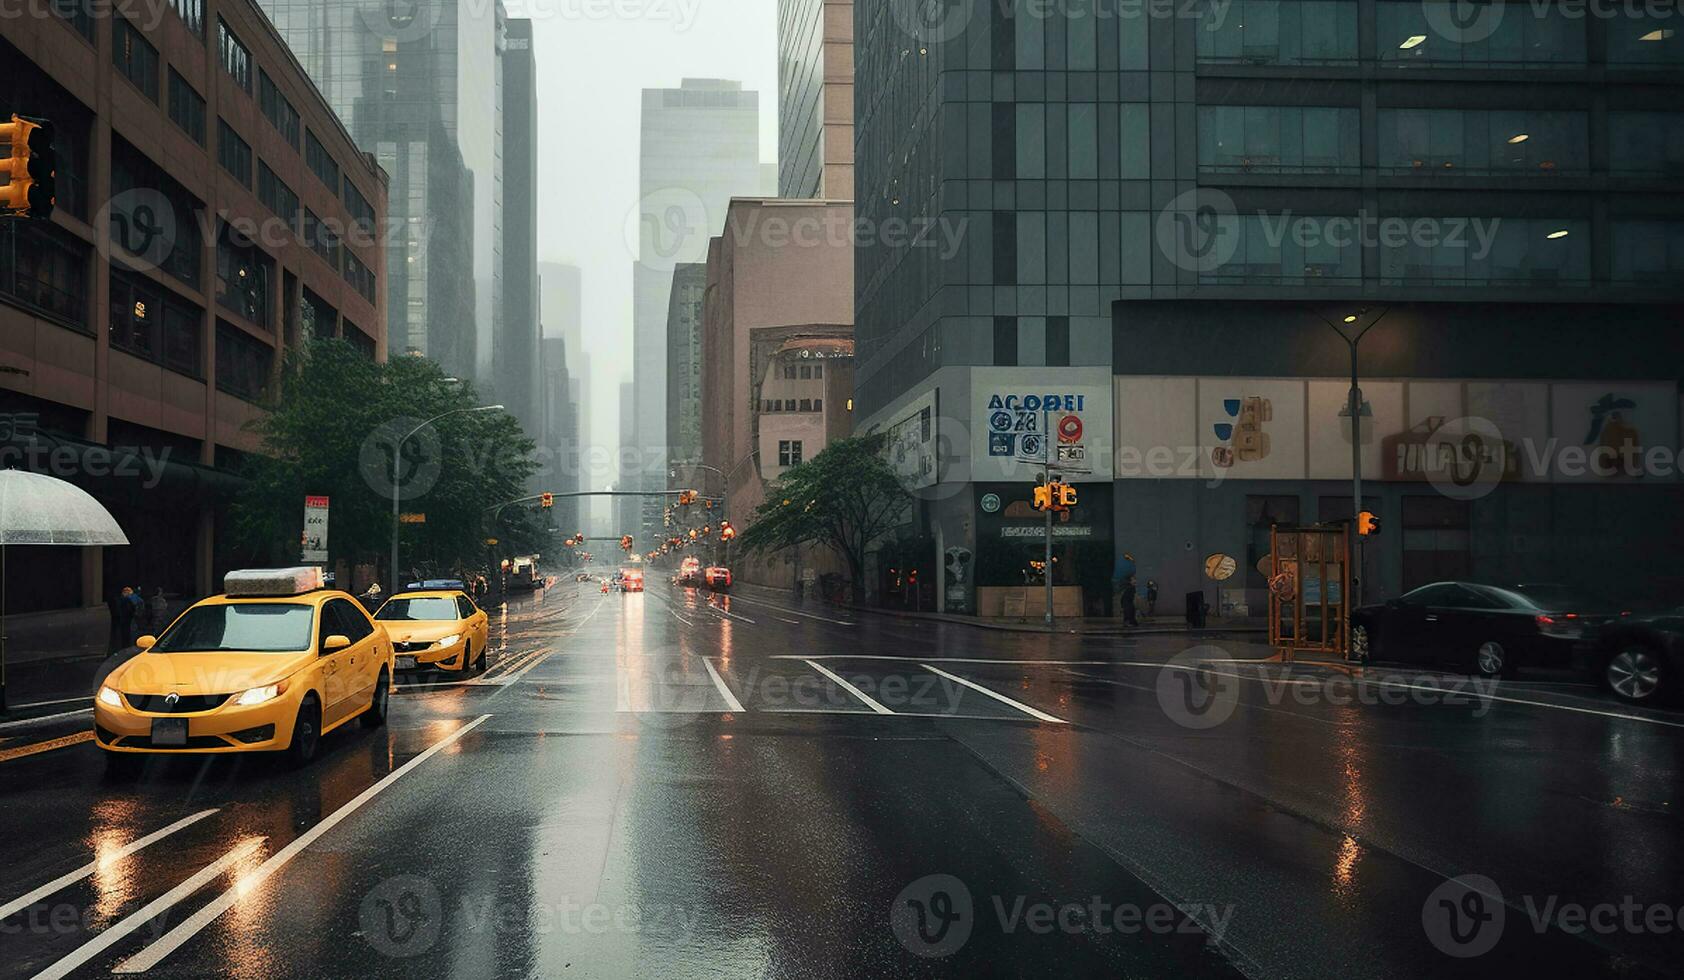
{"x":137,"y":622}
{"x":122,"y":618}
{"x":1129,"y":596}
{"x":158,"y":611}
{"x":1151,"y":597}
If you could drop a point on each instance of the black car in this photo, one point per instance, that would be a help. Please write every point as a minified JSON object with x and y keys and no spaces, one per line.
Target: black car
{"x":1484,"y":629}
{"x":1642,"y":657}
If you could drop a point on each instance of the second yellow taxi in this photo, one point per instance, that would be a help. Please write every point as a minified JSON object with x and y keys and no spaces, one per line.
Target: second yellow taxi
{"x":436,"y":629}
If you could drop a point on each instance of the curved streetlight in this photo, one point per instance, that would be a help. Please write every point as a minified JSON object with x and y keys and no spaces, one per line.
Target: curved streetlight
{"x":397,"y":487}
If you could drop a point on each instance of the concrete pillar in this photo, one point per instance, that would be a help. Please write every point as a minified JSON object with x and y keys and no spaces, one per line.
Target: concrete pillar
{"x":204,"y":554}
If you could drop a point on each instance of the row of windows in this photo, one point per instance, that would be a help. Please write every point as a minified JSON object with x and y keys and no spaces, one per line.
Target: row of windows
{"x":153,"y":217}
{"x":192,"y":13}
{"x":277,"y":109}
{"x":154,"y":324}
{"x":804,"y":372}
{"x":45,"y":270}
{"x":1322,"y":32}
{"x":232,"y":152}
{"x":243,"y":363}
{"x":1284,"y":139}
{"x":135,"y":57}
{"x":780,"y":405}
{"x":187,"y":108}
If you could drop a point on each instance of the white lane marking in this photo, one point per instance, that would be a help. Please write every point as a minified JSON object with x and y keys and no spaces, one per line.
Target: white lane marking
{"x":516,"y":675}
{"x":792,"y":622}
{"x":719,"y":682}
{"x":45,"y":718}
{"x":851,"y":689}
{"x":792,"y":612}
{"x":965,"y":660}
{"x":151,"y":911}
{"x":1026,"y":709}
{"x":154,"y":954}
{"x":46,"y":704}
{"x":898,"y":714}
{"x":138,"y":843}
{"x":731,"y":615}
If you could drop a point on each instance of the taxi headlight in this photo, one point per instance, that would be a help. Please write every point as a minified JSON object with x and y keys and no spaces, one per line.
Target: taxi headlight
{"x":448,"y":641}
{"x":261,"y":695}
{"x":110,"y":698}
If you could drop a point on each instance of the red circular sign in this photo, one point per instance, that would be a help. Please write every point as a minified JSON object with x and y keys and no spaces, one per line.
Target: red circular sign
{"x":1070,"y":429}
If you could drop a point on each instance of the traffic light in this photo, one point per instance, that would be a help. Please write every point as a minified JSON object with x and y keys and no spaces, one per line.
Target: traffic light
{"x":547,"y":501}
{"x":1066,"y":496}
{"x":626,"y":542}
{"x":1368,"y":524}
{"x":1044,"y":497}
{"x":686,"y":497}
{"x":32,"y":166}
{"x":727,"y":532}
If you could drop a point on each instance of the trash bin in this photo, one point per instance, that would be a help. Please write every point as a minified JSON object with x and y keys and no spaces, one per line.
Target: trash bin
{"x":1196,"y":610}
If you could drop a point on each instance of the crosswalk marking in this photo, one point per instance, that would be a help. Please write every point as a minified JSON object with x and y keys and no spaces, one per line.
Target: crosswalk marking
{"x":25,"y":901}
{"x":851,"y":689}
{"x":1026,"y":709}
{"x":719,"y":682}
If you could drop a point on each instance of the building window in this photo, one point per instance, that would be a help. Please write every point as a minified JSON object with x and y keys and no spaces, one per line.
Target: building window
{"x":818,"y":404}
{"x":1482,"y":251}
{"x":192,"y":13}
{"x":135,"y":57}
{"x":818,"y":370}
{"x":152,"y":323}
{"x":360,"y":276}
{"x":806,"y":372}
{"x":355,"y":336}
{"x":1646,"y":34}
{"x":1005,"y":341}
{"x":789,"y":372}
{"x":187,"y":108}
{"x":362,"y":212}
{"x":1405,"y":35}
{"x":789,"y":453}
{"x":1290,"y":249}
{"x":277,"y":109}
{"x":1649,"y":251}
{"x":236,"y":59}
{"x":1278,"y":32}
{"x":1480,"y":141}
{"x":45,"y":270}
{"x":233,"y":152}
{"x":78,"y":13}
{"x":317,"y":318}
{"x":1058,"y":341}
{"x":321,"y":239}
{"x":140,"y":224}
{"x":276,"y":195}
{"x":1279,"y":139}
{"x":243,"y":274}
{"x":806,"y":405}
{"x":1648,"y":143}
{"x":320,"y":161}
{"x":242,"y":363}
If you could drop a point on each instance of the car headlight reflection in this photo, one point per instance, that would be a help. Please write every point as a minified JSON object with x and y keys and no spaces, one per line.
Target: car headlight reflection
{"x":261,"y":695}
{"x":110,"y":698}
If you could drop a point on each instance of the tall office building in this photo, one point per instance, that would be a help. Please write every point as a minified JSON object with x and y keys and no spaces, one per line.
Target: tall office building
{"x":627,"y":511}
{"x":561,"y":289}
{"x":416,"y":86}
{"x":816,"y":99}
{"x":1142,"y":222}
{"x":559,"y":439}
{"x":684,"y":375}
{"x":516,"y":364}
{"x":700,"y":147}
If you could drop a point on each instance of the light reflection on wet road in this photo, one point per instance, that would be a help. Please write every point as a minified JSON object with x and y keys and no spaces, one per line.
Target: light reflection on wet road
{"x":676,"y":784}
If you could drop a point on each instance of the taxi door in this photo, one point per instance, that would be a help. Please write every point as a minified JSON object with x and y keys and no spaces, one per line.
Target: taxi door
{"x":478,"y":623}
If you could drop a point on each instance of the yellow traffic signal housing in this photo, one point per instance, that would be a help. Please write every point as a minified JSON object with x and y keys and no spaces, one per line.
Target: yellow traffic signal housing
{"x":626,"y":542}
{"x":547,"y":501}
{"x":29,"y":160}
{"x":1066,"y":496}
{"x":1368,"y":524}
{"x":1044,"y":497}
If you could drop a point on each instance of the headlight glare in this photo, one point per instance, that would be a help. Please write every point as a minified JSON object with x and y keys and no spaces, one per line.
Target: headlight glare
{"x":110,"y":698}
{"x":260,"y":695}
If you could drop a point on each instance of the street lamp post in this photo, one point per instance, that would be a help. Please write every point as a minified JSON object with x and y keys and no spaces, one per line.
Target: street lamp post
{"x":397,"y":486}
{"x":1354,"y":322}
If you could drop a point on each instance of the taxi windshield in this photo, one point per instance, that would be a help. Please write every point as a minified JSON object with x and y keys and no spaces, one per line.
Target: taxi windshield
{"x":244,"y":627}
{"x":424,"y":609}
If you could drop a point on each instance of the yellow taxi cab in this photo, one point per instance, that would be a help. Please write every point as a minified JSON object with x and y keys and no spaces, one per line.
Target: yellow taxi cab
{"x":438,"y":629}
{"x":271,"y":666}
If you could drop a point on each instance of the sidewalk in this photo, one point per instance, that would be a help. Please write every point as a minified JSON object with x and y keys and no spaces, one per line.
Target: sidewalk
{"x":1150,"y":625}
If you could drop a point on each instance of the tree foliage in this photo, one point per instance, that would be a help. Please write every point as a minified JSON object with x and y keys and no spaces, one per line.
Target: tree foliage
{"x":331,"y":433}
{"x":846,"y":499}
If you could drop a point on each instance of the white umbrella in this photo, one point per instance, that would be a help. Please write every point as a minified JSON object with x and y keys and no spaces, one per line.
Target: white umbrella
{"x":40,"y":510}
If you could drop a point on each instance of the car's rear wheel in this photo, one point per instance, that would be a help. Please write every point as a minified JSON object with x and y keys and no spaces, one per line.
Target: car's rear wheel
{"x":1490,"y":660}
{"x":1635,"y":674}
{"x":375,"y":716}
{"x":306,"y":733}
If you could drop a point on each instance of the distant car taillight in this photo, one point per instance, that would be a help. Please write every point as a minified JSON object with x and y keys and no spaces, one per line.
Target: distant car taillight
{"x":1566,"y":626}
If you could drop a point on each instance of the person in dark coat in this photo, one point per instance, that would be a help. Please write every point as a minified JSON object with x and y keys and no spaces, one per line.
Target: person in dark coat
{"x":1129,"y":594}
{"x":122,"y":618}
{"x":1151,"y":597}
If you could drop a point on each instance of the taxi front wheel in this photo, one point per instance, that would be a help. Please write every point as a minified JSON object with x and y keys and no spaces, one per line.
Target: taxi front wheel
{"x":306,"y":733}
{"x":375,"y":716}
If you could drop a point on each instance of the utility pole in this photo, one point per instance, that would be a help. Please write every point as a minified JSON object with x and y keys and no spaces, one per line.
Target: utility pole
{"x":1353,"y":322}
{"x":1047,"y":570}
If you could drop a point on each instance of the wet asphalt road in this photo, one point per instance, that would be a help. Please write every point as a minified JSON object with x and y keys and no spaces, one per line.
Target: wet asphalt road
{"x":672,"y":785}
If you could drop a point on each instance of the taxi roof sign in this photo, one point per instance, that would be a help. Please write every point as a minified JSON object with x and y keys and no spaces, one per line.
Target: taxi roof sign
{"x":273,"y":581}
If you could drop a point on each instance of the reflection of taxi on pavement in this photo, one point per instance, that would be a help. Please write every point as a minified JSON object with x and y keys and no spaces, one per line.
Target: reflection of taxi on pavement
{"x":273,"y":665}
{"x":438,"y":629}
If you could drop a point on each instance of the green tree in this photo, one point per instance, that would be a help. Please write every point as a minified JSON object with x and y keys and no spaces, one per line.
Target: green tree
{"x":331,"y":433}
{"x":845,"y":499}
